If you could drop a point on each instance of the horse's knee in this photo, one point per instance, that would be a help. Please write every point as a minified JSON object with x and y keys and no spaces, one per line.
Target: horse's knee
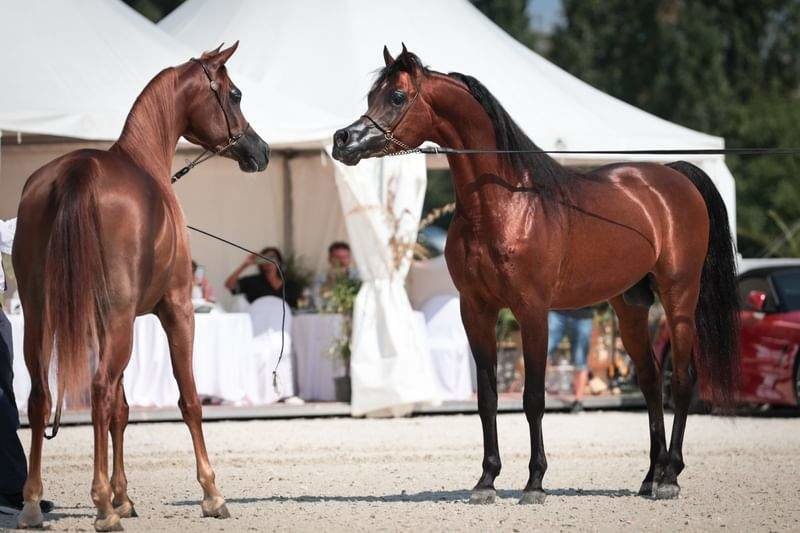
{"x":533,"y":404}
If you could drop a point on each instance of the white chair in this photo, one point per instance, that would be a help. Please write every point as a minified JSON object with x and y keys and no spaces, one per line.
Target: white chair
{"x":449,"y":346}
{"x":265,"y":314}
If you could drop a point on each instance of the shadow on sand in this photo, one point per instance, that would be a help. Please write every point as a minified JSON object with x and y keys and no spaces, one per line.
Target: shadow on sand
{"x":9,"y":521}
{"x":426,"y":496}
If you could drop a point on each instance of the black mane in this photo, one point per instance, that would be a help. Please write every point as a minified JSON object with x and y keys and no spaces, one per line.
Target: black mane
{"x":547,"y":176}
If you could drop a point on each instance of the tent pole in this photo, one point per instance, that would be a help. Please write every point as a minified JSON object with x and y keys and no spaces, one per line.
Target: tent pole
{"x":288,"y":208}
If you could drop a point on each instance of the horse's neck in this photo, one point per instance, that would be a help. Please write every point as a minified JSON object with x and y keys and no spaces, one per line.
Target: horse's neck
{"x":152,"y":129}
{"x":463,"y":123}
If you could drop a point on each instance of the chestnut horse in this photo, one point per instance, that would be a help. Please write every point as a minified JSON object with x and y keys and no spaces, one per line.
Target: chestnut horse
{"x":100,"y":240}
{"x":531,"y":235}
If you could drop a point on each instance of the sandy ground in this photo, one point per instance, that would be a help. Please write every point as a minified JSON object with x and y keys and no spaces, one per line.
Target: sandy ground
{"x":412,"y":474}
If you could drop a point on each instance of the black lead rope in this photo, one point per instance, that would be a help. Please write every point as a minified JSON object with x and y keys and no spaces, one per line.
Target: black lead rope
{"x":283,"y":293}
{"x":433,"y":150}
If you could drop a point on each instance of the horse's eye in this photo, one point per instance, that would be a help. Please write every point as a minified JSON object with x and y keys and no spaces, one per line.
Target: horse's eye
{"x":236,"y":96}
{"x":398,"y":98}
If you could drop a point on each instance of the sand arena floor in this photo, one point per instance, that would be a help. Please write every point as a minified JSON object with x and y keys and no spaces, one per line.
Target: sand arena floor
{"x":414,"y":474}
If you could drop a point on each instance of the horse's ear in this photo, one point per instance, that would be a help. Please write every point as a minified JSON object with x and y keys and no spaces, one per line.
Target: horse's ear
{"x":407,"y":60}
{"x":387,"y":57}
{"x":222,"y":57}
{"x":211,"y":53}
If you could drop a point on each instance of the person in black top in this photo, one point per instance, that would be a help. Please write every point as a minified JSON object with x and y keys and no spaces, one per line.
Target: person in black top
{"x":266,"y":283}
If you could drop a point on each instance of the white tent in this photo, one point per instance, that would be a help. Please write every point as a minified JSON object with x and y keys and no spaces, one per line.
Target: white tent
{"x":75,"y":68}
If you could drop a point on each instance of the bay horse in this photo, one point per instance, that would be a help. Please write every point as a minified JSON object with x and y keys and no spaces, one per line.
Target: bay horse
{"x":532,"y":235}
{"x":102,"y":239}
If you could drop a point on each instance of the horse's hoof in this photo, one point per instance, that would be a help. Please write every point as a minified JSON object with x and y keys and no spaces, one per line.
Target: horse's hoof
{"x":110,"y":523}
{"x":482,"y":496}
{"x":531,"y":497}
{"x":215,"y":508}
{"x":30,"y":517}
{"x":648,"y":488}
{"x":126,"y":510}
{"x":667,"y":491}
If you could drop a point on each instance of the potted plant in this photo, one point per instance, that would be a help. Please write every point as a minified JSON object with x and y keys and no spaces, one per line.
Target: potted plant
{"x":339,"y":297}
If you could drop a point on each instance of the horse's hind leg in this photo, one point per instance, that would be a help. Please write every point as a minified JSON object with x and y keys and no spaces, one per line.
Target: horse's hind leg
{"x":119,"y":482}
{"x":177,"y":316}
{"x":636,"y":338}
{"x":680,"y":301}
{"x":479,"y":324}
{"x":115,"y":352}
{"x":38,"y":413}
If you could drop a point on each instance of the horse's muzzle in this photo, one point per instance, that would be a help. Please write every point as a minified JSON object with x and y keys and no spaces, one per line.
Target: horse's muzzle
{"x":251,"y":152}
{"x":359,"y":140}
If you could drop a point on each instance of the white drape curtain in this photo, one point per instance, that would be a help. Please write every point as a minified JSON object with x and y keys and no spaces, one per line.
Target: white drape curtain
{"x":390,"y":367}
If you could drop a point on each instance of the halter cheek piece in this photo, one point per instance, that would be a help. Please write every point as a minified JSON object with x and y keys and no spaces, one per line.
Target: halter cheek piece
{"x":232,"y":139}
{"x":387,"y":130}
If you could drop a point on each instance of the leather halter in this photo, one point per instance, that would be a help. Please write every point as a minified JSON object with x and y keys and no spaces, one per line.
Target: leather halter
{"x":232,"y":139}
{"x":387,"y":130}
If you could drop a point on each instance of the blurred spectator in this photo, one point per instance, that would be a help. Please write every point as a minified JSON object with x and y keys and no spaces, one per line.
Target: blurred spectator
{"x":266,"y":283}
{"x":340,"y":265}
{"x":202,"y":287}
{"x":576,"y":325}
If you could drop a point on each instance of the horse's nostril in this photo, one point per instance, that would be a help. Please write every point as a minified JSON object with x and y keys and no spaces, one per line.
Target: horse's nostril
{"x":340,"y":138}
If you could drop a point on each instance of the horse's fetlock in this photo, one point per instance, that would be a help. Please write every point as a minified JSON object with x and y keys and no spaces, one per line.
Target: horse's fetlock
{"x":492,"y":465}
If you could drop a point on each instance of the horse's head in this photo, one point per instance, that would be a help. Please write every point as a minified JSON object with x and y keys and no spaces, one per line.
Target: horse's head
{"x":214,"y":117}
{"x":398,"y":117}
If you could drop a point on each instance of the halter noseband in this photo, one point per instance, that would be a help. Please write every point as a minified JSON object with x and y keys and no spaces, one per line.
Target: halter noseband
{"x":387,"y":130}
{"x":232,"y":139}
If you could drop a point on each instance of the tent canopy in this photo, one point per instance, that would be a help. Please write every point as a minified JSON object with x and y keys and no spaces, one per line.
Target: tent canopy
{"x":326,"y":54}
{"x":78,"y":67}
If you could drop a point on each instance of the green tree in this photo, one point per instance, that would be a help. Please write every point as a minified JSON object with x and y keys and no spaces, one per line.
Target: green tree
{"x":511,"y":15}
{"x":727,"y":67}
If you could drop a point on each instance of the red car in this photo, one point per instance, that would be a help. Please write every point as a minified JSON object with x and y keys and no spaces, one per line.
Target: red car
{"x":769,"y":291}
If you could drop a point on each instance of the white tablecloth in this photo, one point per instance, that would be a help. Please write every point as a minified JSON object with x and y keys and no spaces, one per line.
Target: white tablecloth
{"x":450,"y":352}
{"x":226,"y":362}
{"x":313,"y":336}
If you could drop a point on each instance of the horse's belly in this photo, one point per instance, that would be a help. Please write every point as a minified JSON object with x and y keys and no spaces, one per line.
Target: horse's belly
{"x":609,"y":269}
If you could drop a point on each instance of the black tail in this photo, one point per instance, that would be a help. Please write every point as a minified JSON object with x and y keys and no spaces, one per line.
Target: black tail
{"x":717,"y":314}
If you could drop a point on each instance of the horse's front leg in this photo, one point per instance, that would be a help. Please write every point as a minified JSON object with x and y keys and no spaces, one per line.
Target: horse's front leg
{"x":479,"y":322}
{"x":533,"y":323}
{"x":177,"y":316}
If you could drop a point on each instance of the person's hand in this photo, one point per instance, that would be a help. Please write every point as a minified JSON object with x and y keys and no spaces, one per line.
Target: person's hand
{"x":252,"y":259}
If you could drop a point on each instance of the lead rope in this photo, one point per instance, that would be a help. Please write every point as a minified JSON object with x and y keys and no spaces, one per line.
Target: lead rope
{"x":434,"y":150}
{"x":283,"y":296}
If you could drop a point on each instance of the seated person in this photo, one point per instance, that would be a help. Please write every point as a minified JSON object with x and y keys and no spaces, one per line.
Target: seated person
{"x":266,"y":283}
{"x":340,"y":264}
